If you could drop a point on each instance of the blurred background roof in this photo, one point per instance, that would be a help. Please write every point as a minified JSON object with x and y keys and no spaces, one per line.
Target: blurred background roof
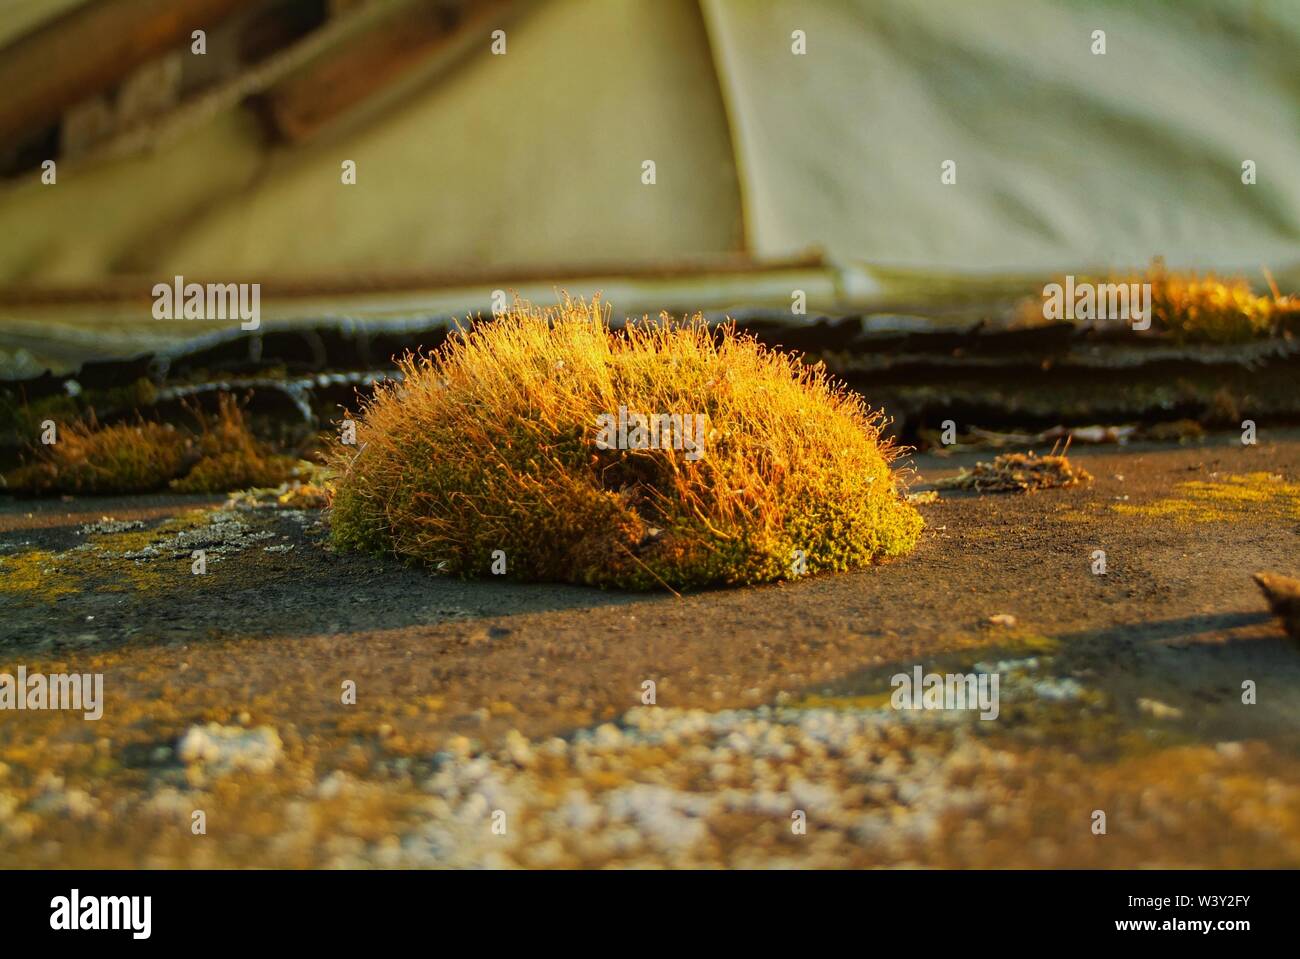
{"x":523,"y":170}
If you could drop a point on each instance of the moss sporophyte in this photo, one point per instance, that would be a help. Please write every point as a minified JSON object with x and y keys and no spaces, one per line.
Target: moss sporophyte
{"x":665,"y":453}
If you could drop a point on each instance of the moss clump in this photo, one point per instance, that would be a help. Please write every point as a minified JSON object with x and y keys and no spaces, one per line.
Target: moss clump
{"x":1191,"y":307}
{"x":87,"y":458}
{"x":1212,"y":309}
{"x":495,"y":443}
{"x":22,"y":419}
{"x":230,"y":457}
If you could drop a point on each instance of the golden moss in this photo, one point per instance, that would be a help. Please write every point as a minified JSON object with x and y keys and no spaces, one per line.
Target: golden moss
{"x":1213,"y":309}
{"x":231,"y":470}
{"x":495,"y":443}
{"x":88,"y":458}
{"x":1196,"y":307}
{"x":1256,"y":495}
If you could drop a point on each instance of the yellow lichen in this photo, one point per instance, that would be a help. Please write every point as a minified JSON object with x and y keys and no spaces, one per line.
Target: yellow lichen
{"x":102,"y":563}
{"x":1257,"y":495}
{"x":37,"y":573}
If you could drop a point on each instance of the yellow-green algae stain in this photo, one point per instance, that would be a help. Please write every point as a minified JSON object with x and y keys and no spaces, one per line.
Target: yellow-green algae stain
{"x":101,"y":563}
{"x":37,"y":573}
{"x":1235,"y":496}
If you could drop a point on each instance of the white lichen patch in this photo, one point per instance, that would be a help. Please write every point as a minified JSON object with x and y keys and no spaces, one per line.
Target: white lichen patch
{"x":220,"y":750}
{"x":108,"y":526}
{"x":667,"y":786}
{"x":225,"y":532}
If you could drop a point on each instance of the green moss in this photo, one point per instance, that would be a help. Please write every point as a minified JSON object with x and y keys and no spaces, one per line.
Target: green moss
{"x":24,"y":420}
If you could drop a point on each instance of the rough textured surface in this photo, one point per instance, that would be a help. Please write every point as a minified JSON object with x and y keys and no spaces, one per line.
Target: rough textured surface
{"x":1121,"y":692}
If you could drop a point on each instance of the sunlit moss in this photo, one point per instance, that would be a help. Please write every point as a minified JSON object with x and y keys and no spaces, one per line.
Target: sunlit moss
{"x":87,"y":458}
{"x":491,"y":444}
{"x":1209,"y":308}
{"x":1196,"y":307}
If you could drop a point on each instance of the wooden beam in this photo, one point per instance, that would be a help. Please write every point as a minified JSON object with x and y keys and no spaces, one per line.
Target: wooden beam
{"x":91,"y":48}
{"x":412,"y":36}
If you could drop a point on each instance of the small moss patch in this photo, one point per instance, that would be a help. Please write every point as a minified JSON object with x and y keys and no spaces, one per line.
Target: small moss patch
{"x":1208,"y":308}
{"x":86,"y":458}
{"x":1192,"y":307}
